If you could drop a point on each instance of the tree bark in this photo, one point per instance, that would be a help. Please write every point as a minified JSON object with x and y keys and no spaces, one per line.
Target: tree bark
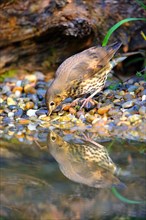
{"x":39,"y":35}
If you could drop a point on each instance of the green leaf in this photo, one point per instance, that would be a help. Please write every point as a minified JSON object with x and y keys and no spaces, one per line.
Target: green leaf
{"x":141,"y":4}
{"x":124,"y":199}
{"x":117,"y":25}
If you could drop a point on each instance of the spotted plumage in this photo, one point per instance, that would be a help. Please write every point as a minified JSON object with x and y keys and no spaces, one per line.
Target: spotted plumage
{"x":82,"y":73}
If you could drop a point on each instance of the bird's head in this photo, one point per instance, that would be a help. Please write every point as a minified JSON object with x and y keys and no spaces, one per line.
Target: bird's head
{"x":52,"y":100}
{"x":54,"y":96}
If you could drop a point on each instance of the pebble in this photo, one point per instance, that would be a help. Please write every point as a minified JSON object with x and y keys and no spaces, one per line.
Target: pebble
{"x":17,"y":88}
{"x":143,"y":92}
{"x":104,"y":109}
{"x":117,"y":111}
{"x":113,"y":111}
{"x":72,"y":110}
{"x":142,"y":110}
{"x":32,"y":127}
{"x":134,"y":118}
{"x":11,"y":101}
{"x":31,"y":113}
{"x":29,"y":89}
{"x":11,"y":114}
{"x":143,"y":97}
{"x":128,"y":97}
{"x":18,"y":113}
{"x":31,"y":78}
{"x":12,"y":107}
{"x":41,"y":112}
{"x":1,"y":100}
{"x":128,"y":104}
{"x":29,"y":105}
{"x":132,"y":88}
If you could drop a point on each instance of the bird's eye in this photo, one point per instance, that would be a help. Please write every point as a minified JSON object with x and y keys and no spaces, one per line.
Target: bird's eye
{"x":53,"y":138}
{"x":52,"y":103}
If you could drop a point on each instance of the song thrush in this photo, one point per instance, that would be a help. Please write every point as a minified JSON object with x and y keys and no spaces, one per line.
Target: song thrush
{"x":87,"y":162}
{"x":82,"y":73}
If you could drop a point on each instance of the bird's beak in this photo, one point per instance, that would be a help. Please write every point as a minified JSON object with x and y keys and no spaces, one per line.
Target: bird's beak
{"x":115,"y":61}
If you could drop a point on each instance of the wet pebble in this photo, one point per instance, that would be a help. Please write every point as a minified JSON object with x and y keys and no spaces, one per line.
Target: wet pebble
{"x":10,"y":114}
{"x":113,"y":111}
{"x":12,"y":107}
{"x":29,"y":105}
{"x":18,"y":113}
{"x":128,"y":104}
{"x":134,"y":118}
{"x":41,"y":92}
{"x":31,"y":112}
{"x":41,"y":112}
{"x":132,"y":88}
{"x":6,"y":120}
{"x":11,"y":101}
{"x":143,"y":92}
{"x":128,"y":97}
{"x":142,"y":110}
{"x":104,"y":109}
{"x":29,"y":89}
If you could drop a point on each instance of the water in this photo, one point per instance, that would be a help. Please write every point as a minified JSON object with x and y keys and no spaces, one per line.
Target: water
{"x":67,"y":175}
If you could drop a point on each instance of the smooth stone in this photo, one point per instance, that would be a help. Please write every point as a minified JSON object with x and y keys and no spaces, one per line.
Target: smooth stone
{"x":143,"y":92}
{"x":11,"y":114}
{"x":18,"y":113}
{"x":24,"y":121}
{"x":143,"y":97}
{"x":128,"y":104}
{"x":32,"y":127}
{"x":11,"y":101}
{"x":6,"y":120}
{"x":5,"y":89}
{"x":40,"y":84}
{"x":128,"y":97}
{"x":19,"y":83}
{"x":29,"y":89}
{"x":32,"y":97}
{"x":31,"y":78}
{"x":17,"y":94}
{"x":104,"y":109}
{"x":142,"y":110}
{"x":41,"y":112}
{"x":39,"y":75}
{"x":113,"y":112}
{"x":41,"y":92}
{"x":134,"y":118}
{"x":12,"y":107}
{"x":40,"y":97}
{"x":118,"y":102}
{"x":1,"y":100}
{"x":67,"y":100}
{"x":132,"y":88}
{"x":29,"y":105}
{"x":133,"y":110}
{"x":31,"y":113}
{"x":72,"y":110}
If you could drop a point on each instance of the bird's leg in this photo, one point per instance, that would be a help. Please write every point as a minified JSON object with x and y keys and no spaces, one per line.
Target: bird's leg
{"x":75,"y":102}
{"x":90,"y":97}
{"x":87,"y":138}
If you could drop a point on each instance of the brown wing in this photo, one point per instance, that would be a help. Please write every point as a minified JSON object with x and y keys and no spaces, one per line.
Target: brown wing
{"x":84,"y":65}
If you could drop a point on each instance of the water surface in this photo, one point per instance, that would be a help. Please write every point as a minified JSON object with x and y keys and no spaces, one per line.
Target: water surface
{"x":71,"y":175}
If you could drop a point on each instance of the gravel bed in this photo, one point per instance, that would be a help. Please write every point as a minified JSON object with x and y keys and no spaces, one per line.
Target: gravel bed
{"x":119,"y":111}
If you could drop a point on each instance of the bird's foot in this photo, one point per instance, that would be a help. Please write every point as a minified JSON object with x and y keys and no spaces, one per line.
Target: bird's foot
{"x":87,"y":101}
{"x":90,"y":139}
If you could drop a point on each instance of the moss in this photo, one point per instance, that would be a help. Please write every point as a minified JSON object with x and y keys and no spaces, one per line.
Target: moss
{"x":7,"y":74}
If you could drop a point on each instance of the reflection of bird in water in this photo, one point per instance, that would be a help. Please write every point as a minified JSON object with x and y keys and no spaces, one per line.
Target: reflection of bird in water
{"x":86,"y":163}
